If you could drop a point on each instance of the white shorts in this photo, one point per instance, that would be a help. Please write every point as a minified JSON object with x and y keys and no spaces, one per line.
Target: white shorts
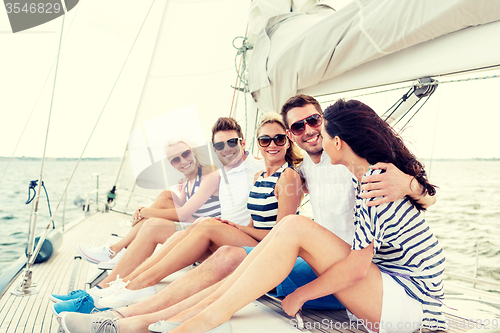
{"x":179,"y":226}
{"x":400,"y":312}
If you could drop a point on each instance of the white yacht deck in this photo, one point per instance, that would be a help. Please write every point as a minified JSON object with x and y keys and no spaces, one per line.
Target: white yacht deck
{"x":65,"y":271}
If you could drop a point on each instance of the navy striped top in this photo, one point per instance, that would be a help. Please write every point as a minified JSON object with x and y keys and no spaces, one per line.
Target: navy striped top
{"x":211,"y":208}
{"x":262,"y":203}
{"x":405,"y":248}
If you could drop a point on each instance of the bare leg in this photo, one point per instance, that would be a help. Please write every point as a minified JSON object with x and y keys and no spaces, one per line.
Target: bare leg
{"x":153,"y":232}
{"x":269,"y":264}
{"x":165,"y":200}
{"x":129,"y":237}
{"x":159,"y":255}
{"x":222,"y":263}
{"x":208,"y":234}
{"x":140,"y":323}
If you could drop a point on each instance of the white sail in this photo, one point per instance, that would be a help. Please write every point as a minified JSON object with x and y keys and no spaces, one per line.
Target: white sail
{"x":297,"y":50}
{"x":194,"y":60}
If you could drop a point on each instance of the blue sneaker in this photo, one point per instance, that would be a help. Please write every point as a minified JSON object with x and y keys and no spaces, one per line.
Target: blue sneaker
{"x":84,"y":304}
{"x":72,"y":295}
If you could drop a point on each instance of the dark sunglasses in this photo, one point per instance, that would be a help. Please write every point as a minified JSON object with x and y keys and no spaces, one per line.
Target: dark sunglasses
{"x":176,"y":160}
{"x":231,"y":143}
{"x":265,"y":140}
{"x":298,"y":127}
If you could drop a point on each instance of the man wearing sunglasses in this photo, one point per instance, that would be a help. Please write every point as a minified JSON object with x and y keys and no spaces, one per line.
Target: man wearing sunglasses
{"x":239,"y":169}
{"x":329,"y":186}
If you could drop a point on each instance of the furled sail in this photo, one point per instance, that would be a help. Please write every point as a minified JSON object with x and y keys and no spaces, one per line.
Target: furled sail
{"x":298,"y":46}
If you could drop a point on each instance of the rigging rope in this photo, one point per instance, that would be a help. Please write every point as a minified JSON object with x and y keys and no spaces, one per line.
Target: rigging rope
{"x":36,"y":102}
{"x":32,"y":256}
{"x":434,"y":137}
{"x":113,"y":190}
{"x":104,"y":107}
{"x":414,"y":114}
{"x":32,"y":187}
{"x":422,"y":85}
{"x":400,"y":101}
{"x":100,"y":115}
{"x":241,"y":73}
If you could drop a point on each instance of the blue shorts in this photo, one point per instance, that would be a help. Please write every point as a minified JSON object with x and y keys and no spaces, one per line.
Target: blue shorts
{"x":301,"y":275}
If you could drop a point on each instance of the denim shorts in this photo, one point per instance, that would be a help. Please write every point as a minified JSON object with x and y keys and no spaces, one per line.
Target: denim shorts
{"x":300,"y":275}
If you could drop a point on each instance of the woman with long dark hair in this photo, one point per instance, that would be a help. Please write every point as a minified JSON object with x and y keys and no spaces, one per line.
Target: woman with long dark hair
{"x":391,"y":277}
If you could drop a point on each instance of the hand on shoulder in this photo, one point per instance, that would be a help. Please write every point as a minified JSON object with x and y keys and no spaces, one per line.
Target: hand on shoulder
{"x":388,"y":186}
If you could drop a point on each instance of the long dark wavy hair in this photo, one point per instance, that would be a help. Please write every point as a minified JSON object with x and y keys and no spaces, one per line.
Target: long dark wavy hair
{"x":372,"y":138}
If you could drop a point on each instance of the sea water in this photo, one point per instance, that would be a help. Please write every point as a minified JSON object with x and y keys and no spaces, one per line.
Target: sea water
{"x":465,"y":217}
{"x":15,"y":214}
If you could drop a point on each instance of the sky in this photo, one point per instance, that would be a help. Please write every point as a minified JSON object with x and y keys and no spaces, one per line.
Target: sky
{"x":459,"y":121}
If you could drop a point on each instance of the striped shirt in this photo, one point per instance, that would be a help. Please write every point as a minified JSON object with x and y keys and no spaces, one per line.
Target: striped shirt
{"x":262,"y":203}
{"x":406,"y":249}
{"x":211,"y":208}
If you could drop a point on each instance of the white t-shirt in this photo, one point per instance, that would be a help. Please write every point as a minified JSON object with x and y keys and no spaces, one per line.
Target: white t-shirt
{"x":331,"y":195}
{"x":233,"y":195}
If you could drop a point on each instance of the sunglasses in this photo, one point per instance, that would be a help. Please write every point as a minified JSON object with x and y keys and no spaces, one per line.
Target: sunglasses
{"x":176,"y":160}
{"x":231,"y":143}
{"x":265,"y":140}
{"x":298,"y":127}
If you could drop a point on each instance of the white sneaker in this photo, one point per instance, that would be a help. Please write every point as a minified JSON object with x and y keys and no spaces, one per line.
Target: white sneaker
{"x":162,"y":326}
{"x":124,"y":297}
{"x":98,"y":293}
{"x":95,"y":254}
{"x":110,"y":264}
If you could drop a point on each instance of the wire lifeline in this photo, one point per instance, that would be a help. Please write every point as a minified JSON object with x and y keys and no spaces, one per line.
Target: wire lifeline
{"x":33,"y":253}
{"x":420,"y":85}
{"x":105,"y":104}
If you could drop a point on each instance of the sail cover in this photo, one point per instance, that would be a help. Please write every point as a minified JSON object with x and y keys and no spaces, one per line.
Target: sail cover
{"x":302,"y":43}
